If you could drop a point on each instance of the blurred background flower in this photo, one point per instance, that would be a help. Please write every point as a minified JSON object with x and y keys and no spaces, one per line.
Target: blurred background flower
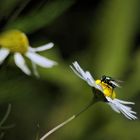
{"x":103,"y":36}
{"x":16,"y":42}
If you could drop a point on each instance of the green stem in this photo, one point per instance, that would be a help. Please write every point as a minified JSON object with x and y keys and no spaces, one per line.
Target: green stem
{"x":68,"y":120}
{"x":6,"y":115}
{"x":17,"y":12}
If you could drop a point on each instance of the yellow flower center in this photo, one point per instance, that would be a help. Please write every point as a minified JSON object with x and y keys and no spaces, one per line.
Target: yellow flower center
{"x":15,"y":41}
{"x":107,"y":90}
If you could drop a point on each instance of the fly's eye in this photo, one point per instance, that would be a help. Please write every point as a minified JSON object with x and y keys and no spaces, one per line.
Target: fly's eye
{"x":108,"y":78}
{"x":103,"y":78}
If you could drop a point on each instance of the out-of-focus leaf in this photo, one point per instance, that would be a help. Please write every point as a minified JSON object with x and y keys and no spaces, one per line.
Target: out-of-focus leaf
{"x":132,"y":88}
{"x":36,"y":20}
{"x":7,"y":6}
{"x":115,"y":30}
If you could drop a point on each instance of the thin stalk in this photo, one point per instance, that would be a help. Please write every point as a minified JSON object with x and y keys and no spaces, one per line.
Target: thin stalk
{"x":17,"y":12}
{"x":6,"y":115}
{"x":4,"y":119}
{"x":68,"y":120}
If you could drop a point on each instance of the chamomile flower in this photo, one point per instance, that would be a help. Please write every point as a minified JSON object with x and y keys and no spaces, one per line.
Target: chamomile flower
{"x":104,"y":91}
{"x":16,"y":42}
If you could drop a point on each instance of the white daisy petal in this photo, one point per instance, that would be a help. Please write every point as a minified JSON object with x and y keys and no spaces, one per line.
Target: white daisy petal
{"x":76,"y":72}
{"x":118,"y":106}
{"x":3,"y":54}
{"x":125,"y":102}
{"x":35,"y":69}
{"x":84,"y":75}
{"x":89,"y":78}
{"x":42,"y":48}
{"x":116,"y":102}
{"x":125,"y":108}
{"x":91,"y":81}
{"x":114,"y":108}
{"x":127,"y":113}
{"x":40,"y":60}
{"x":79,"y":71}
{"x":20,"y":62}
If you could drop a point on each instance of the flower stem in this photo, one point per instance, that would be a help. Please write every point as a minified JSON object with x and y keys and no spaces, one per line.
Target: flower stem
{"x":6,"y":115}
{"x":68,"y":120}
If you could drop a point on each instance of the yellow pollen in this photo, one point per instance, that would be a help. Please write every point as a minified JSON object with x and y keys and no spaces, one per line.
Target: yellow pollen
{"x":15,"y":41}
{"x":107,"y":90}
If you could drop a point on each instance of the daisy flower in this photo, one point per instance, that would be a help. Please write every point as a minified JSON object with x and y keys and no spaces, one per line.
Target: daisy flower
{"x":104,"y":92}
{"x":16,"y":42}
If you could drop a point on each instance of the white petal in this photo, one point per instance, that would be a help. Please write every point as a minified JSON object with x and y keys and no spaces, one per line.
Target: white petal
{"x":117,"y":105}
{"x":20,"y":62}
{"x":91,"y":81}
{"x":76,"y":72}
{"x":124,"y":102}
{"x":114,"y":108}
{"x":42,"y":48}
{"x":89,"y":78}
{"x":124,"y":107}
{"x":84,"y":75}
{"x":3,"y":54}
{"x":35,"y":70}
{"x":40,"y":60}
{"x":127,"y":112}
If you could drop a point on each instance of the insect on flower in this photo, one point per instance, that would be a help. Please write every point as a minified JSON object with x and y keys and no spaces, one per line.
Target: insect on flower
{"x":103,"y":90}
{"x":16,"y":42}
{"x":113,"y":83}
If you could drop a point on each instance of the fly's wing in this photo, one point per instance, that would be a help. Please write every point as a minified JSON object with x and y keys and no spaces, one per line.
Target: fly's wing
{"x":117,"y":83}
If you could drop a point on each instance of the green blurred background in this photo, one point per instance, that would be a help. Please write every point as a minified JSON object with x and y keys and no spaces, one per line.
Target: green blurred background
{"x":103,"y":36}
